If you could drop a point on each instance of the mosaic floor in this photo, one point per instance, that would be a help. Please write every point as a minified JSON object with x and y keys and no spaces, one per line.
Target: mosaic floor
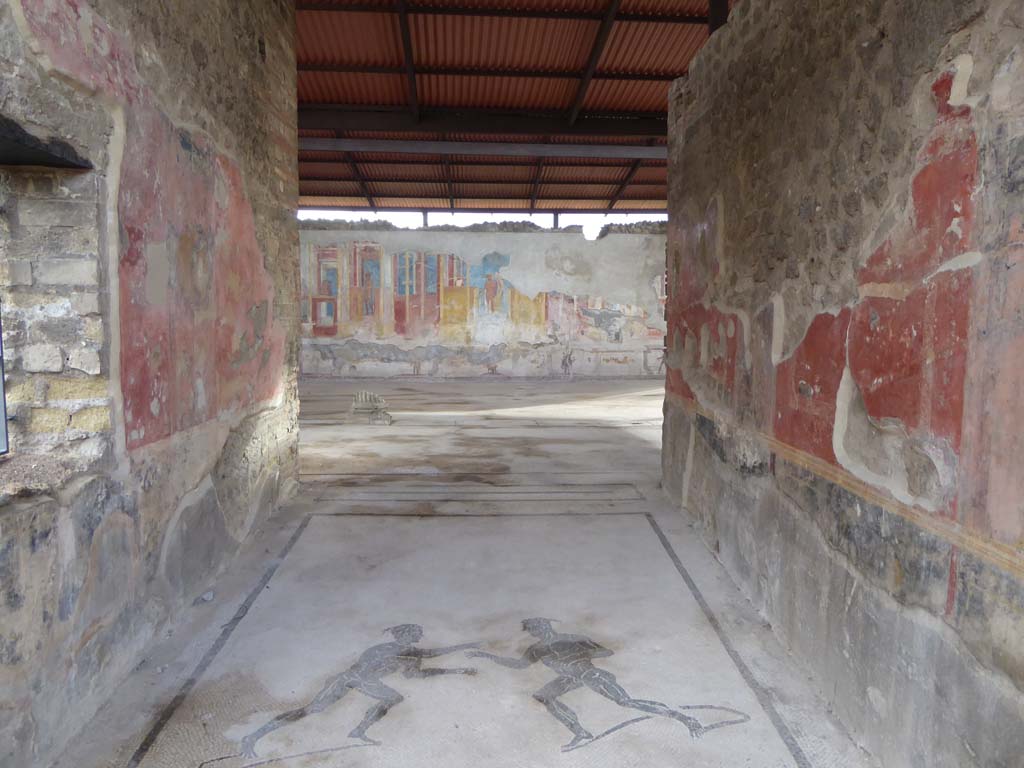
{"x":493,"y":579}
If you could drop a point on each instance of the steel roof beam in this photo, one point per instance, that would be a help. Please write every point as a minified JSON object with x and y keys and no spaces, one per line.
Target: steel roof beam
{"x":497,"y":209}
{"x":719,"y":14}
{"x":506,"y":13}
{"x":560,"y":198}
{"x":340,"y":118}
{"x":362,"y":181}
{"x":625,"y":183}
{"x":595,"y":58}
{"x":536,"y":181}
{"x":547,"y":74}
{"x":483,"y":148}
{"x":410,"y":65}
{"x":448,"y":181}
{"x":472,"y":162}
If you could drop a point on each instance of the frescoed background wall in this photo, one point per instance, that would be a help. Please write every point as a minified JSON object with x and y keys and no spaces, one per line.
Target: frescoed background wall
{"x":464,"y":303}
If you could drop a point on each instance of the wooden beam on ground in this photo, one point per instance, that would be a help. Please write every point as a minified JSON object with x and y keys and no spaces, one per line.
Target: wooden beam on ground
{"x":486,"y":148}
{"x":595,"y":57}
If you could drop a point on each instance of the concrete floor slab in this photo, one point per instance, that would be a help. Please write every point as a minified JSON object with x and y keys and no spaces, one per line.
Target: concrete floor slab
{"x":410,"y":543}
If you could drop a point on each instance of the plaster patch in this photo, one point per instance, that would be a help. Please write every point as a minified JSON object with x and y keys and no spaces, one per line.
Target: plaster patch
{"x":778,"y":328}
{"x":156,"y":282}
{"x":896,"y":482}
{"x":964,"y":64}
{"x":963,"y":261}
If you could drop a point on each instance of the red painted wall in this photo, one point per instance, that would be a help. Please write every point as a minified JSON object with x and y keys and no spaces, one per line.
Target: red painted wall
{"x":198,"y":332}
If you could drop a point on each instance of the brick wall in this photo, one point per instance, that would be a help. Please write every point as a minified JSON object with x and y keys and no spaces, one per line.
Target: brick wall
{"x":54,"y":336}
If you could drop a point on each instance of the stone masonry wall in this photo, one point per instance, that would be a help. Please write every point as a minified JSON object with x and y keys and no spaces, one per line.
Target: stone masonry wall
{"x":843,"y":409}
{"x":150,"y":332}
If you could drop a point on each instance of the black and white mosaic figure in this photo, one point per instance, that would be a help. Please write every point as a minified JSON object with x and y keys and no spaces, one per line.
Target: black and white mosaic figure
{"x":571,"y":657}
{"x":366,"y":676}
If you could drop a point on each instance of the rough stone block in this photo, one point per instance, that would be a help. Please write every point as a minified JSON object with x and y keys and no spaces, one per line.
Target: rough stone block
{"x":42,"y":358}
{"x":94,"y":419}
{"x":16,"y":273}
{"x":48,"y":420}
{"x":56,"y":213}
{"x":67,"y":272}
{"x":84,"y":359}
{"x":92,"y":329}
{"x":86,"y":303}
{"x":76,"y":389}
{"x":21,"y":392}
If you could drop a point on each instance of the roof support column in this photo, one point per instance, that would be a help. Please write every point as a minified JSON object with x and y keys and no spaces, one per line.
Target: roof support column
{"x":718,"y":15}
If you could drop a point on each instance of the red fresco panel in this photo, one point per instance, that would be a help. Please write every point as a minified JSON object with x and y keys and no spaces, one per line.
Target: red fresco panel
{"x":199,"y":335}
{"x":943,"y":198}
{"x":806,"y":385}
{"x":909,"y":356}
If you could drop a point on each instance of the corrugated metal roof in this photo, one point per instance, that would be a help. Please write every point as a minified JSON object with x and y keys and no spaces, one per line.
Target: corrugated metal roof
{"x":402,"y":171}
{"x":648,"y":173}
{"x":494,"y":92}
{"x":641,"y":205}
{"x":410,"y":188}
{"x":473,"y":204}
{"x":329,"y":188}
{"x":493,"y":173}
{"x":547,"y":56}
{"x":666,"y":7}
{"x":652,"y":48}
{"x":492,"y":190}
{"x":491,"y":203}
{"x":361,"y":89}
{"x":484,"y":42}
{"x":625,"y":95}
{"x":581,"y":6}
{"x":352,"y":38}
{"x":572,"y":205}
{"x":601,"y":191}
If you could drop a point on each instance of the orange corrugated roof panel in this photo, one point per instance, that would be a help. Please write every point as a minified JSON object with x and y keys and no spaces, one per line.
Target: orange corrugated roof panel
{"x":498,"y":43}
{"x":489,"y":48}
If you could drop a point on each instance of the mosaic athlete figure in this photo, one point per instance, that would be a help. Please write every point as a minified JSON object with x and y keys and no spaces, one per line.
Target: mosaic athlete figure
{"x":365,"y":676}
{"x":571,"y":657}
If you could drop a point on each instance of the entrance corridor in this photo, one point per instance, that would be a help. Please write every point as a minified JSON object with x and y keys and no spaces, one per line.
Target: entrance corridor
{"x":495,"y":579}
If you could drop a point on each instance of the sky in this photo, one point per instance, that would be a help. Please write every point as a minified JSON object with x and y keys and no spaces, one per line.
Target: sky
{"x":591,"y":222}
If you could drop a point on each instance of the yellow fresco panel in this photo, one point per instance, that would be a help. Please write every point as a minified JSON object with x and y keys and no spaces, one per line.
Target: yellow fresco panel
{"x":527,"y":311}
